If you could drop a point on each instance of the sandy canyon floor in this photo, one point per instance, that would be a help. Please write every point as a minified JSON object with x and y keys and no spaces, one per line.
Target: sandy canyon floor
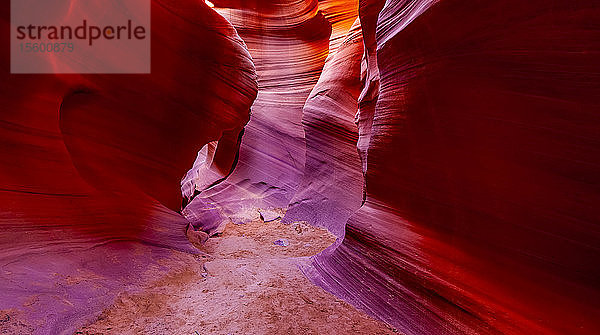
{"x":246,"y":284}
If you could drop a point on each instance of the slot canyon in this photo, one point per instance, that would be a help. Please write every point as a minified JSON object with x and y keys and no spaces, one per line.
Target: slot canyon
{"x":311,"y":167}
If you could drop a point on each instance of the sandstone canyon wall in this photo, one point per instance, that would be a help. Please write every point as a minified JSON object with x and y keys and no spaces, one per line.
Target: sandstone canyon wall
{"x":90,"y":165}
{"x":452,"y":146}
{"x":482,"y":172}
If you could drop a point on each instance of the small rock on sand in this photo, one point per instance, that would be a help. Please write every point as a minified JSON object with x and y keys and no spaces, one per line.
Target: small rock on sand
{"x":282,"y":242}
{"x":268,"y":215}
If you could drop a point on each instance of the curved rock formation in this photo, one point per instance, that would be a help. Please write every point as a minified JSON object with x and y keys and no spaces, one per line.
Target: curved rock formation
{"x":91,"y":165}
{"x":288,"y":41}
{"x":332,"y":186}
{"x":481,"y":173}
{"x":452,"y":146}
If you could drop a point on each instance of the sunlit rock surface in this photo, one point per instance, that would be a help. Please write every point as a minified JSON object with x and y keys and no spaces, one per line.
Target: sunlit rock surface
{"x":332,"y":184}
{"x":90,"y":166}
{"x":289,"y":42}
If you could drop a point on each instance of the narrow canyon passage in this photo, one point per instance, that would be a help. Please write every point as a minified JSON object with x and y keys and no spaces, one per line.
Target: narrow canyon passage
{"x":310,"y":167}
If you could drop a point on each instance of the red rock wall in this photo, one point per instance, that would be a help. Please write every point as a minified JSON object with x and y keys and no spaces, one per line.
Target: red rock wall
{"x":455,"y":150}
{"x":332,"y":185}
{"x":90,"y":165}
{"x":482,"y":171}
{"x":288,"y":41}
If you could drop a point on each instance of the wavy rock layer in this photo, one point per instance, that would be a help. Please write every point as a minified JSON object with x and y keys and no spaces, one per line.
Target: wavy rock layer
{"x":288,"y":41}
{"x":451,"y":145}
{"x":477,"y":140}
{"x":90,"y":165}
{"x":481,"y":167}
{"x":332,"y":184}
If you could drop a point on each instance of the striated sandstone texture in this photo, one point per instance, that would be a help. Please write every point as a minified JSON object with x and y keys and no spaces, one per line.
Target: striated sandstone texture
{"x":90,"y":165}
{"x":459,"y":138}
{"x":288,"y":41}
{"x":478,"y":133}
{"x":452,"y":146}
